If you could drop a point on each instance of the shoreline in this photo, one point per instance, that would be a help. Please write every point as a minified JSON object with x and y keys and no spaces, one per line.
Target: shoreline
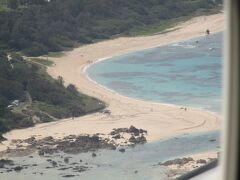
{"x":148,"y":101}
{"x":87,"y":66}
{"x":160,"y":120}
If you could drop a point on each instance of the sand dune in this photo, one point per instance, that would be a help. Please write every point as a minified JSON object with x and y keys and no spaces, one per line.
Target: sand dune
{"x":160,"y":120}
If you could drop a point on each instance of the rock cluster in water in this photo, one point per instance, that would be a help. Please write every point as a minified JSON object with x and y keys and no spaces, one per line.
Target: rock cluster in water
{"x":49,"y":147}
{"x":74,"y":144}
{"x":178,"y":161}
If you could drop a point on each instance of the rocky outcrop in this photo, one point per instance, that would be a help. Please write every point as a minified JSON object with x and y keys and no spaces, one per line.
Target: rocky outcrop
{"x":178,"y":161}
{"x":74,"y":144}
{"x":4,"y":162}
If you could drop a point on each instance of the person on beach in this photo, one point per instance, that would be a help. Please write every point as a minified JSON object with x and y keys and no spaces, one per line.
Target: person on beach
{"x":207,"y":31}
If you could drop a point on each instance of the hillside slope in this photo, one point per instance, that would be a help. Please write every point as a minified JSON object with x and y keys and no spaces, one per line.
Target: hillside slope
{"x":37,"y":27}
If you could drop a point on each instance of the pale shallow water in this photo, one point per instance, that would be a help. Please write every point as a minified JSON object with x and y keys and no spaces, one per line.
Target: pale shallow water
{"x":113,"y":165}
{"x":186,"y":73}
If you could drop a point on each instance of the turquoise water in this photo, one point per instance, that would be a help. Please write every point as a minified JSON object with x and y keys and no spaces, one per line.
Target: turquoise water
{"x":113,"y":165}
{"x":186,"y":73}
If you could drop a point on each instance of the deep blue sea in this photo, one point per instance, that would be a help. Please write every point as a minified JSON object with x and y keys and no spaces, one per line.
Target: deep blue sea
{"x":187,"y":73}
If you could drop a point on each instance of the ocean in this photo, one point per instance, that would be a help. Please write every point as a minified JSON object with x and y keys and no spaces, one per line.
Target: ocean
{"x":186,"y":73}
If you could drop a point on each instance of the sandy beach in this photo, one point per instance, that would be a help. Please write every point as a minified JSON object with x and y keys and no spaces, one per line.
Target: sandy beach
{"x":161,"y":121}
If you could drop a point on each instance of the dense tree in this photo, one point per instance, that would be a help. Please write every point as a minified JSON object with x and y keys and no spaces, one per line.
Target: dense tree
{"x":72,"y":88}
{"x":13,"y":4}
{"x":38,"y":26}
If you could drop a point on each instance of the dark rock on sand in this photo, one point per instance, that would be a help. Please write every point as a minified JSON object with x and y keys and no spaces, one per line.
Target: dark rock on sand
{"x":64,"y":168}
{"x":117,"y":136}
{"x":83,"y":143}
{"x":31,"y":140}
{"x":131,"y":130}
{"x":94,"y":154}
{"x":201,"y":161}
{"x":80,"y":168}
{"x":4,"y":162}
{"x":122,"y":150}
{"x":68,"y":176}
{"x":132,"y":139}
{"x":54,"y":163}
{"x":141,"y":140}
{"x":49,"y":160}
{"x":18,"y":168}
{"x":134,"y":130}
{"x":66,"y":160}
{"x":41,"y":153}
{"x":141,"y":131}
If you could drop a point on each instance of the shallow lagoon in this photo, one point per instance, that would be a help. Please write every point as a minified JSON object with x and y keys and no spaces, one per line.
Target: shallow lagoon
{"x":114,"y":165}
{"x":186,"y":73}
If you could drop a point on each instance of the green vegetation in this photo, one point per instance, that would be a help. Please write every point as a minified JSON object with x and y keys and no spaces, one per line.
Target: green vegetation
{"x":41,"y":98}
{"x":55,"y":54}
{"x":37,"y":27}
{"x":41,"y":61}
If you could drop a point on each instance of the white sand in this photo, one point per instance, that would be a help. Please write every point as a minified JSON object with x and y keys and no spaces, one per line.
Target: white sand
{"x":159,"y":120}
